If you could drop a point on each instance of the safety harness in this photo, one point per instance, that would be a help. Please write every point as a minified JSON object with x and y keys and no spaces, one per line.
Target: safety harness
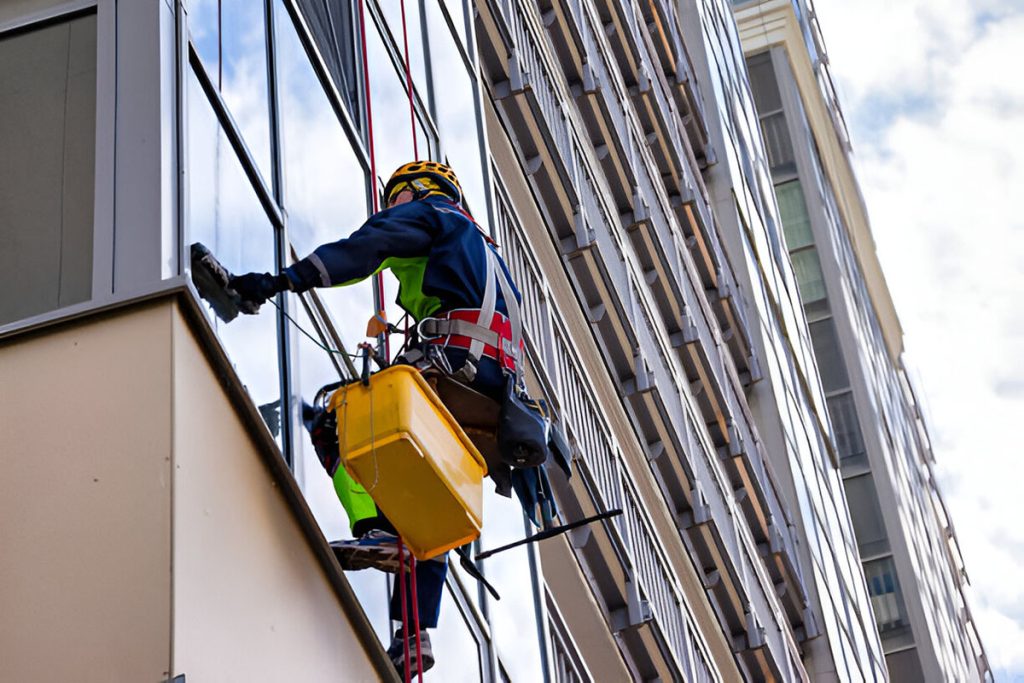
{"x":483,"y":332}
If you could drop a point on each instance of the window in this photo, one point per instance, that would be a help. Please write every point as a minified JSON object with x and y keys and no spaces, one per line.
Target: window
{"x":231,"y":39}
{"x":226,"y":216}
{"x":868,"y":523}
{"x":809,"y":278}
{"x":333,"y":28}
{"x":514,"y":620}
{"x":846,"y":428}
{"x":325,"y":183}
{"x":47,"y":178}
{"x":886,"y":595}
{"x":796,"y":223}
{"x":768,"y":101}
{"x":455,"y":113}
{"x":829,"y":355}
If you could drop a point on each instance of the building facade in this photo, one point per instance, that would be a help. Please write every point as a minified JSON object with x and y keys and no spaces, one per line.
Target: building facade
{"x":912,"y":562}
{"x":611,"y":148}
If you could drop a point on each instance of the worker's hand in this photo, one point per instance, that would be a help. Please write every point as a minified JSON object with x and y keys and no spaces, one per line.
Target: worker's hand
{"x":255,"y":288}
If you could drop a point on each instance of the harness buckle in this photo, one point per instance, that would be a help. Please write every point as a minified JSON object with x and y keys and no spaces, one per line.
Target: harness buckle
{"x":423,"y":334}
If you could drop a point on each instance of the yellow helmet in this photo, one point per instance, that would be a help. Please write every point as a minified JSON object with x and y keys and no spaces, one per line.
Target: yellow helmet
{"x":424,"y":178}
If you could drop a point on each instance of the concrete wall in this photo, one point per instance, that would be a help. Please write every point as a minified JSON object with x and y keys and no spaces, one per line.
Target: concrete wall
{"x":85,"y":502}
{"x":143,"y":535}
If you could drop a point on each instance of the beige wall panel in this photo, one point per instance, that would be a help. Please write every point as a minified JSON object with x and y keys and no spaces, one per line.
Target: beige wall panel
{"x":581,"y":614}
{"x":250,"y":601}
{"x":85,"y":501}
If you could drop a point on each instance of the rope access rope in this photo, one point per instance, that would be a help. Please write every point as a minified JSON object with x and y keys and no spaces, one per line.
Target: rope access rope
{"x":380,"y":304}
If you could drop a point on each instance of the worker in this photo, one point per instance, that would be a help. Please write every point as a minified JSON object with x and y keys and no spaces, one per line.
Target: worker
{"x":446,"y":266}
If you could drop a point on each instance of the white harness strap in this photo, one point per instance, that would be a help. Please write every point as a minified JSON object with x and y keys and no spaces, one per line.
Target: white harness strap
{"x":512,"y":306}
{"x":486,"y":317}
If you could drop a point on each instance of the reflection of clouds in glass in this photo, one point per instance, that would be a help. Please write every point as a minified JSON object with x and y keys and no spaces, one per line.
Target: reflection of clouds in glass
{"x":225,"y":215}
{"x":392,"y":133}
{"x":325,"y":184}
{"x":417,"y":62}
{"x":513,"y":619}
{"x":244,"y":67}
{"x":456,"y":652}
{"x":456,"y":112}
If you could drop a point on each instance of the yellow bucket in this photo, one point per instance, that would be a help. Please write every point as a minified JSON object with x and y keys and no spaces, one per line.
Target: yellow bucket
{"x":403,"y":446}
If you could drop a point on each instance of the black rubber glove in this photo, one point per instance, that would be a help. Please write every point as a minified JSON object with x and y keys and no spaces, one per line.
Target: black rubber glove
{"x":255,"y":288}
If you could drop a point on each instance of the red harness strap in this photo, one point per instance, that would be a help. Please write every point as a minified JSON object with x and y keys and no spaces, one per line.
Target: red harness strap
{"x":500,"y":325}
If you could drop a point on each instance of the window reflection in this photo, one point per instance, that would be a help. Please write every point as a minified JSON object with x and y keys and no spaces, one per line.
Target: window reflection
{"x":455,"y":113}
{"x":230,"y":37}
{"x":456,"y":650}
{"x":226,"y":216}
{"x":334,"y":31}
{"x":392,"y":10}
{"x":325,"y":188}
{"x":392,"y":139}
{"x":514,"y":619}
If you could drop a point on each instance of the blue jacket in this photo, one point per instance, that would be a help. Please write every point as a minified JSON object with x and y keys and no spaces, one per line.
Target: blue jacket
{"x":431,"y":245}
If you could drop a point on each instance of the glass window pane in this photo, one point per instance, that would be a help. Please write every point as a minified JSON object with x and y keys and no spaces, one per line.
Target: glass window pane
{"x":846,"y":427}
{"x":778,"y":145}
{"x":456,"y":650}
{"x":514,"y":622}
{"x":457,"y":11}
{"x":763,"y":85}
{"x":325,"y":185}
{"x":809,"y":279}
{"x":455,"y":113}
{"x":886,"y":594}
{"x":226,"y":216}
{"x":793,"y":210}
{"x":868,"y":523}
{"x":333,"y":28}
{"x":230,"y":37}
{"x":47,"y":174}
{"x":414,"y":31}
{"x":829,"y":355}
{"x":392,"y":127}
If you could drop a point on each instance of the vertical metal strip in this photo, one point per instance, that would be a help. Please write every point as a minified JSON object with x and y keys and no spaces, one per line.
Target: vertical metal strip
{"x":289,"y":407}
{"x":383,"y":343}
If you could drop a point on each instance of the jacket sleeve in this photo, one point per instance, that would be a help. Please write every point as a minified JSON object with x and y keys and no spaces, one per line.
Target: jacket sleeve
{"x":403,"y":231}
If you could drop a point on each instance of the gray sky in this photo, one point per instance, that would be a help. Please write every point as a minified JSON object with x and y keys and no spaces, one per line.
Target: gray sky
{"x":935,"y":100}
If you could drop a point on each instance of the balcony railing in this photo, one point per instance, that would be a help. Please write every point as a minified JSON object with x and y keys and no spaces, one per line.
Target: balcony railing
{"x":638,"y":300}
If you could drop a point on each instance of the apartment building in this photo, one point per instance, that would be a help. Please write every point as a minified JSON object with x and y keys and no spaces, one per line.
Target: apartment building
{"x":912,"y":563}
{"x":172,"y":522}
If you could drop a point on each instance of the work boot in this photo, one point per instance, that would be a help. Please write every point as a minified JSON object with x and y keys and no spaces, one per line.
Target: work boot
{"x":375,"y":549}
{"x":397,"y":653}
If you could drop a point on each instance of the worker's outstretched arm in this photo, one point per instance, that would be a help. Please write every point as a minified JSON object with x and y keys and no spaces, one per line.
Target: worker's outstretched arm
{"x":406,"y":230}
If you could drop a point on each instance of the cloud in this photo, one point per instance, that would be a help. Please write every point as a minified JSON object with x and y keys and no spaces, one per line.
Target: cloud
{"x":937,"y":119}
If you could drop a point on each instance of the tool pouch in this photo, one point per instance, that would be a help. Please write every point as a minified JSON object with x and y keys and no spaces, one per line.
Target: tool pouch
{"x":523,"y":428}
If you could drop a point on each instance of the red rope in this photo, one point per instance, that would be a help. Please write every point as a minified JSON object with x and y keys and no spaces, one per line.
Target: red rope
{"x":416,"y":617}
{"x":379,"y":277}
{"x":408,"y":80}
{"x":405,"y":608}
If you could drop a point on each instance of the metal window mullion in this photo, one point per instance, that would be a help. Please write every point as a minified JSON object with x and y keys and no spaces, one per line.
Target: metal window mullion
{"x":289,"y":434}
